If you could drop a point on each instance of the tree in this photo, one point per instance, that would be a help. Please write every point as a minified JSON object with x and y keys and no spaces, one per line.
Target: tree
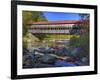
{"x":31,"y":16}
{"x":36,"y":17}
{"x":40,"y":36}
{"x":83,"y":40}
{"x":84,"y":16}
{"x":28,"y":17}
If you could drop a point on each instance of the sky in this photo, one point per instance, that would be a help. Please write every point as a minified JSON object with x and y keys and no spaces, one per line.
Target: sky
{"x":59,"y":16}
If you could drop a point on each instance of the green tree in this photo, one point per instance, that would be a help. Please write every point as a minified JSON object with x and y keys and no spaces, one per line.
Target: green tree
{"x":28,"y":17}
{"x":83,"y":40}
{"x":31,"y":16}
{"x":41,"y":37}
{"x":36,"y":17}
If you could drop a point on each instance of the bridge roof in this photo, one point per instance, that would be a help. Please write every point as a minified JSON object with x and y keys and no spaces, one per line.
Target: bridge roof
{"x":56,"y":22}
